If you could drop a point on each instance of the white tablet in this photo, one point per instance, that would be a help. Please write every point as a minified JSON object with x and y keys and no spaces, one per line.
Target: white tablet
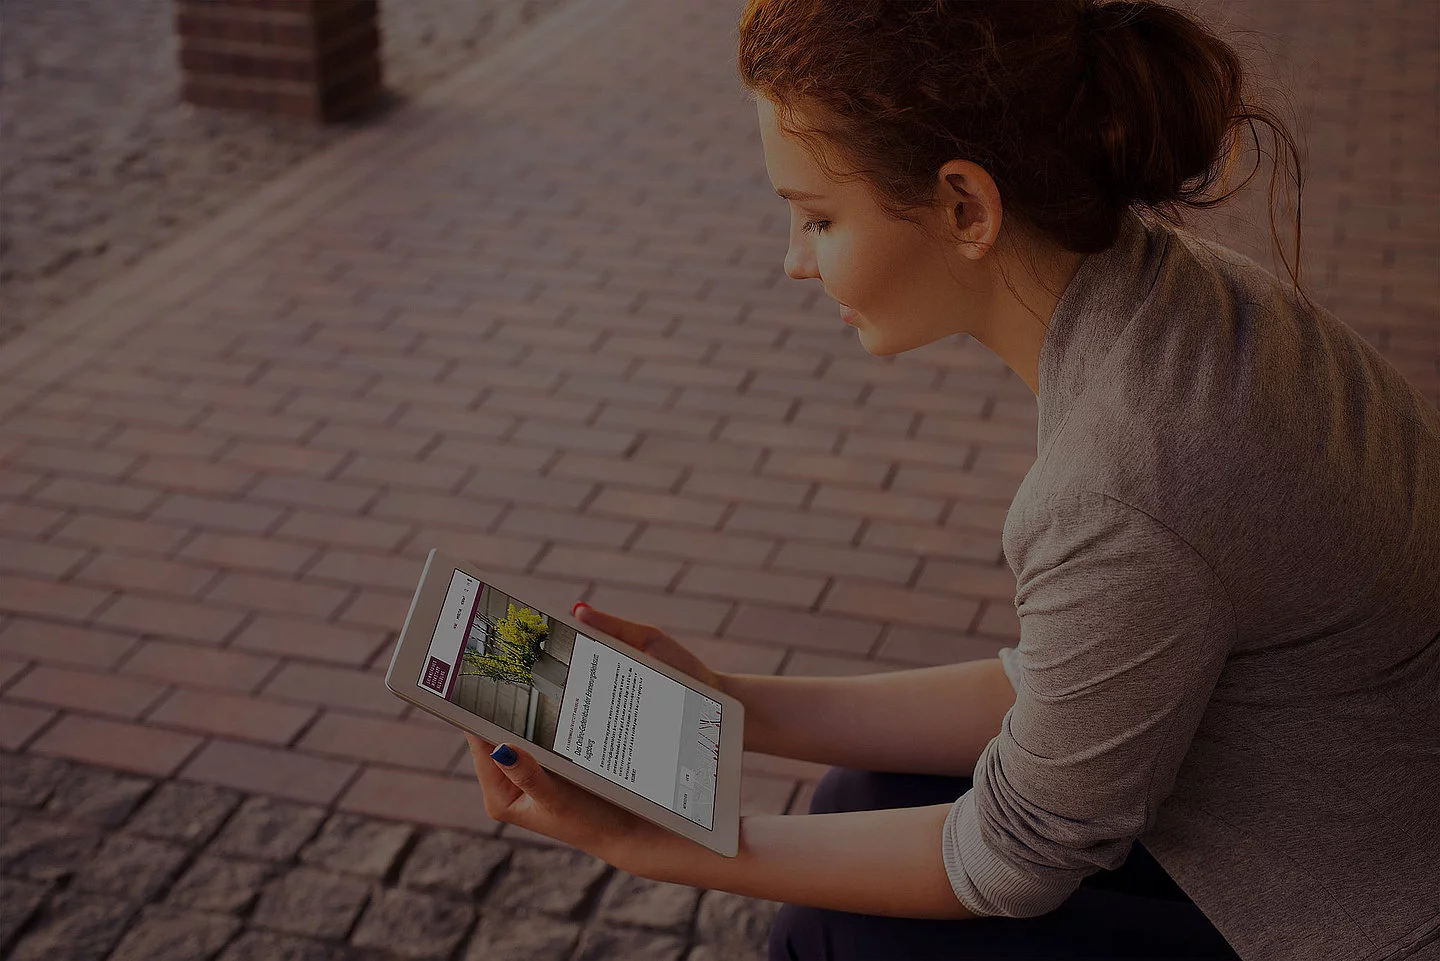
{"x":589,"y":707}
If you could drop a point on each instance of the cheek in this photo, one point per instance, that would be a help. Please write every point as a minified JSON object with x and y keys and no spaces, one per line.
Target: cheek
{"x":874,"y":271}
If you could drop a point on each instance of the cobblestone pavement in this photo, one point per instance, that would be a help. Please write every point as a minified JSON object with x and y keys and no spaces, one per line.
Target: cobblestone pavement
{"x":102,"y":163}
{"x":539,"y":319}
{"x":127,"y":867}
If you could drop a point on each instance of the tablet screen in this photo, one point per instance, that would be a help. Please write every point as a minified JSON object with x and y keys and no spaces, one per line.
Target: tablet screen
{"x":509,"y":663}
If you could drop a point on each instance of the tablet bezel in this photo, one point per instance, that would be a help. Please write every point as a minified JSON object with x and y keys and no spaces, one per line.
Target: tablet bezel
{"x":403,"y":680}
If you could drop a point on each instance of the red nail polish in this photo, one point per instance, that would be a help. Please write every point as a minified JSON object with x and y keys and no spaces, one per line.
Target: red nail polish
{"x":575,"y":611}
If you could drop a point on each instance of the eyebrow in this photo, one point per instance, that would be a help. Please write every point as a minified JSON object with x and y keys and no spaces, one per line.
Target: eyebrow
{"x":785,"y":193}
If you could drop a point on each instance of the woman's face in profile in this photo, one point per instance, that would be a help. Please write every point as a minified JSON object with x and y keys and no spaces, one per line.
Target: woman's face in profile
{"x":896,"y":279}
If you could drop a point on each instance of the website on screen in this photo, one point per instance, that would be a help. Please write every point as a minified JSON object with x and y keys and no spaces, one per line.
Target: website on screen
{"x":512,"y":665}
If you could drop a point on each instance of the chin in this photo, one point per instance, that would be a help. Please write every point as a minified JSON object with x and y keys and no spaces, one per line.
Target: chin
{"x":878,"y":345}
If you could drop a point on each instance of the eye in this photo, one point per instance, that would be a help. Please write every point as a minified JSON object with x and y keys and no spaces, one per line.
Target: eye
{"x":816,"y":226}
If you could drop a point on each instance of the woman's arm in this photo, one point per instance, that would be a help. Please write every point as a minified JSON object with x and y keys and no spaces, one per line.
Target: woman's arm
{"x":932,"y":720}
{"x":869,"y":862}
{"x":873,"y":862}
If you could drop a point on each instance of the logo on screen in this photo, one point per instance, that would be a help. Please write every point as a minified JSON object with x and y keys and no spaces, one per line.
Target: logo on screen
{"x":437,"y":672}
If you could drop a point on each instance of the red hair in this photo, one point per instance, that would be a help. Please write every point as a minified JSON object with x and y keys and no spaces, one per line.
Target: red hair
{"x":1078,"y":109}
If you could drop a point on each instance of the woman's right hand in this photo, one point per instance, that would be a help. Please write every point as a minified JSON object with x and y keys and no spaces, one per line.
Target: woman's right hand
{"x":652,"y":641}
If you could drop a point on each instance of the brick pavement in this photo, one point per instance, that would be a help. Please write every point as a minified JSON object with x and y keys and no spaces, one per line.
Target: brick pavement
{"x":103,"y":162}
{"x":539,"y":319}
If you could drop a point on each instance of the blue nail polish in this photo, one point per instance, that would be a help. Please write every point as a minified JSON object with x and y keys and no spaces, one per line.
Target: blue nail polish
{"x":505,"y":754}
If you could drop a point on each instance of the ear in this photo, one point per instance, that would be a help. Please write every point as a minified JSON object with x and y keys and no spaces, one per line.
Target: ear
{"x":969,"y":195}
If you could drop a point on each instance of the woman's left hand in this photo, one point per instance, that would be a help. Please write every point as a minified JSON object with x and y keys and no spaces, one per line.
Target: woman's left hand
{"x":528,"y":796}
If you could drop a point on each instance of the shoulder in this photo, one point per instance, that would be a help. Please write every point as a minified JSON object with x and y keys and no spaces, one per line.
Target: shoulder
{"x":1216,"y":373}
{"x":1086,"y":558}
{"x":1100,"y":526}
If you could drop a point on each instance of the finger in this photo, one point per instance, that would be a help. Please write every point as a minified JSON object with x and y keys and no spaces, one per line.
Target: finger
{"x":636,"y":635}
{"x":525,"y":773}
{"x":499,"y":791}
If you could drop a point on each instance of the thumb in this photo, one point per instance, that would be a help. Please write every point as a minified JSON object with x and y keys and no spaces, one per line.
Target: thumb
{"x":636,"y":635}
{"x":524,"y":772}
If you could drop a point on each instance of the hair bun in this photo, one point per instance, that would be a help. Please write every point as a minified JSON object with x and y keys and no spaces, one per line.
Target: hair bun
{"x":1159,"y":96}
{"x":1096,"y":15}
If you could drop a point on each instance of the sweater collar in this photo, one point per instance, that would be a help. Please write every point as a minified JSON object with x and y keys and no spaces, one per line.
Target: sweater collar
{"x":1106,"y":293}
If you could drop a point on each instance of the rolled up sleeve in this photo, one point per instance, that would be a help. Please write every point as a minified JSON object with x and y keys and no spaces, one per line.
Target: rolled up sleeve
{"x":1124,"y":631}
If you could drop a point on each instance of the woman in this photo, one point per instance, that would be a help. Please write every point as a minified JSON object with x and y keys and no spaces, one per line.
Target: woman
{"x":1219,"y":733}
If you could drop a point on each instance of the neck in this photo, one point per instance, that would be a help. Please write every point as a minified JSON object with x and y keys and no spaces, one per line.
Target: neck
{"x":1018,"y":324}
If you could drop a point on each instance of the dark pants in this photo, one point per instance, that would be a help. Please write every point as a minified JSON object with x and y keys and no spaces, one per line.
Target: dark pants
{"x":1136,"y":911}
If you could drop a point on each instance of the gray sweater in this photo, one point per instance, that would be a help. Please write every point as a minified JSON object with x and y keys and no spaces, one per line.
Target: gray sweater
{"x":1227,"y":558}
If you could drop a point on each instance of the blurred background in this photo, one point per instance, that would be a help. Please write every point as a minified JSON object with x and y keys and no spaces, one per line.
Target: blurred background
{"x":514,"y":290}
{"x":103,"y":161}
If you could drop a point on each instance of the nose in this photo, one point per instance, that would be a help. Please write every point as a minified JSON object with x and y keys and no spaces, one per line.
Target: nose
{"x":799,"y":265}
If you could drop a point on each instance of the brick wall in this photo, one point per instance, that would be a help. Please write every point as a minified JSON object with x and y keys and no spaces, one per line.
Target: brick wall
{"x":314,"y":59}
